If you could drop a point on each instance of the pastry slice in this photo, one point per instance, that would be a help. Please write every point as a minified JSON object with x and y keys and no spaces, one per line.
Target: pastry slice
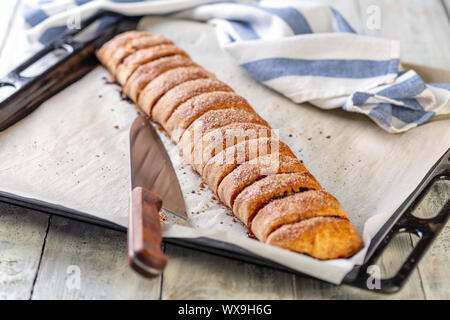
{"x":140,"y":57}
{"x":120,"y":52}
{"x":149,"y":71}
{"x":248,"y":172}
{"x":156,"y":88}
{"x":294,"y":208}
{"x":106,"y":52}
{"x":226,"y":161}
{"x":133,"y":45}
{"x":195,"y":107}
{"x":174,"y":98}
{"x":259,"y":193}
{"x":320,"y":237}
{"x":216,"y":119}
{"x":215,"y":141}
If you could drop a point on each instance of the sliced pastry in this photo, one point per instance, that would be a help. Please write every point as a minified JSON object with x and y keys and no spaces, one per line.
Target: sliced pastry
{"x":234,"y":150}
{"x":149,"y":71}
{"x":253,"y":170}
{"x":158,"y":87}
{"x":140,"y":57}
{"x":182,"y":93}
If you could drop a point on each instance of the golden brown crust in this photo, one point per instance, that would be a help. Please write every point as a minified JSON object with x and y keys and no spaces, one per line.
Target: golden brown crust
{"x":140,"y":57}
{"x":156,"y":89}
{"x":131,"y":45}
{"x":174,"y":98}
{"x":226,"y":161}
{"x":106,"y":52}
{"x":250,"y":171}
{"x":213,"y":120}
{"x":193,"y":108}
{"x":271,"y":187}
{"x":219,"y":118}
{"x":294,"y":208}
{"x":149,"y":71}
{"x":215,"y":141}
{"x":319,"y":237}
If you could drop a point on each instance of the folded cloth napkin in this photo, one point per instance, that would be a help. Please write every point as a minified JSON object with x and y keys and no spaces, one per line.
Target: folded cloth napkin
{"x":304,"y":50}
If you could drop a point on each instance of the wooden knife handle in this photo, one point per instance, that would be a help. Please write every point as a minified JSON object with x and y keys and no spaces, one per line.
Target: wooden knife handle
{"x":144,"y":233}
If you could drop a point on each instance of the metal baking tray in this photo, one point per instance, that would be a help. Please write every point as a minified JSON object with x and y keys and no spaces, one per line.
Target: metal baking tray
{"x":27,"y":93}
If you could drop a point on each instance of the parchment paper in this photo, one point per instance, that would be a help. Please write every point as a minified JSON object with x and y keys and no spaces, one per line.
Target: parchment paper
{"x":74,"y":151}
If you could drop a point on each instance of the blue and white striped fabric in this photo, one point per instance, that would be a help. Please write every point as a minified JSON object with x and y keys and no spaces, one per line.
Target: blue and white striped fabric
{"x":304,"y":50}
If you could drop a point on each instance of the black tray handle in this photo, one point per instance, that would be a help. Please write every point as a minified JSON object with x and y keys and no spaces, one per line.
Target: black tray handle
{"x":30,"y":92}
{"x":426,"y":229}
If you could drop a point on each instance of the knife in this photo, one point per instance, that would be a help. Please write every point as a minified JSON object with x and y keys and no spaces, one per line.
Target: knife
{"x":154,"y":186}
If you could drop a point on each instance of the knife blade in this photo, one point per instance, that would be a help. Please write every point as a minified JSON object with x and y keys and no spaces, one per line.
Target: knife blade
{"x":154,"y":186}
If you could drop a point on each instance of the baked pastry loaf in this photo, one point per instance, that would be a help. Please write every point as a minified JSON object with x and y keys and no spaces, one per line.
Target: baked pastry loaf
{"x":234,"y":150}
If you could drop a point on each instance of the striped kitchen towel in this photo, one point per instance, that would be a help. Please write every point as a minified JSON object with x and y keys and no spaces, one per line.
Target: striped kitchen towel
{"x":304,"y":50}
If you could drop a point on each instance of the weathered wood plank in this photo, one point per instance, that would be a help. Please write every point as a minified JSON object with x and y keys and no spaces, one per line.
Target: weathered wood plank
{"x":389,"y":263}
{"x":422,"y":29}
{"x":22,"y":234}
{"x":99,"y":253}
{"x":400,"y":20}
{"x":22,"y":231}
{"x":421,"y":26}
{"x":195,"y":275}
{"x":95,"y":254}
{"x":434,"y":267}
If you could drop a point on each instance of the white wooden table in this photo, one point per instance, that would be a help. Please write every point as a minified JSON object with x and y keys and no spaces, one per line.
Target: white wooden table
{"x":41,"y":255}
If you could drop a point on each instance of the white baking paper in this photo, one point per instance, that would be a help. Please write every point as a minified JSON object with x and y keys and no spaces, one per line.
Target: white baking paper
{"x":73,"y":151}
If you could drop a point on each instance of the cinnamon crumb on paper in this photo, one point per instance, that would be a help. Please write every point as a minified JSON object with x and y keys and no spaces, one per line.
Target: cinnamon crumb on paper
{"x":163,"y":217}
{"x":108,"y":81}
